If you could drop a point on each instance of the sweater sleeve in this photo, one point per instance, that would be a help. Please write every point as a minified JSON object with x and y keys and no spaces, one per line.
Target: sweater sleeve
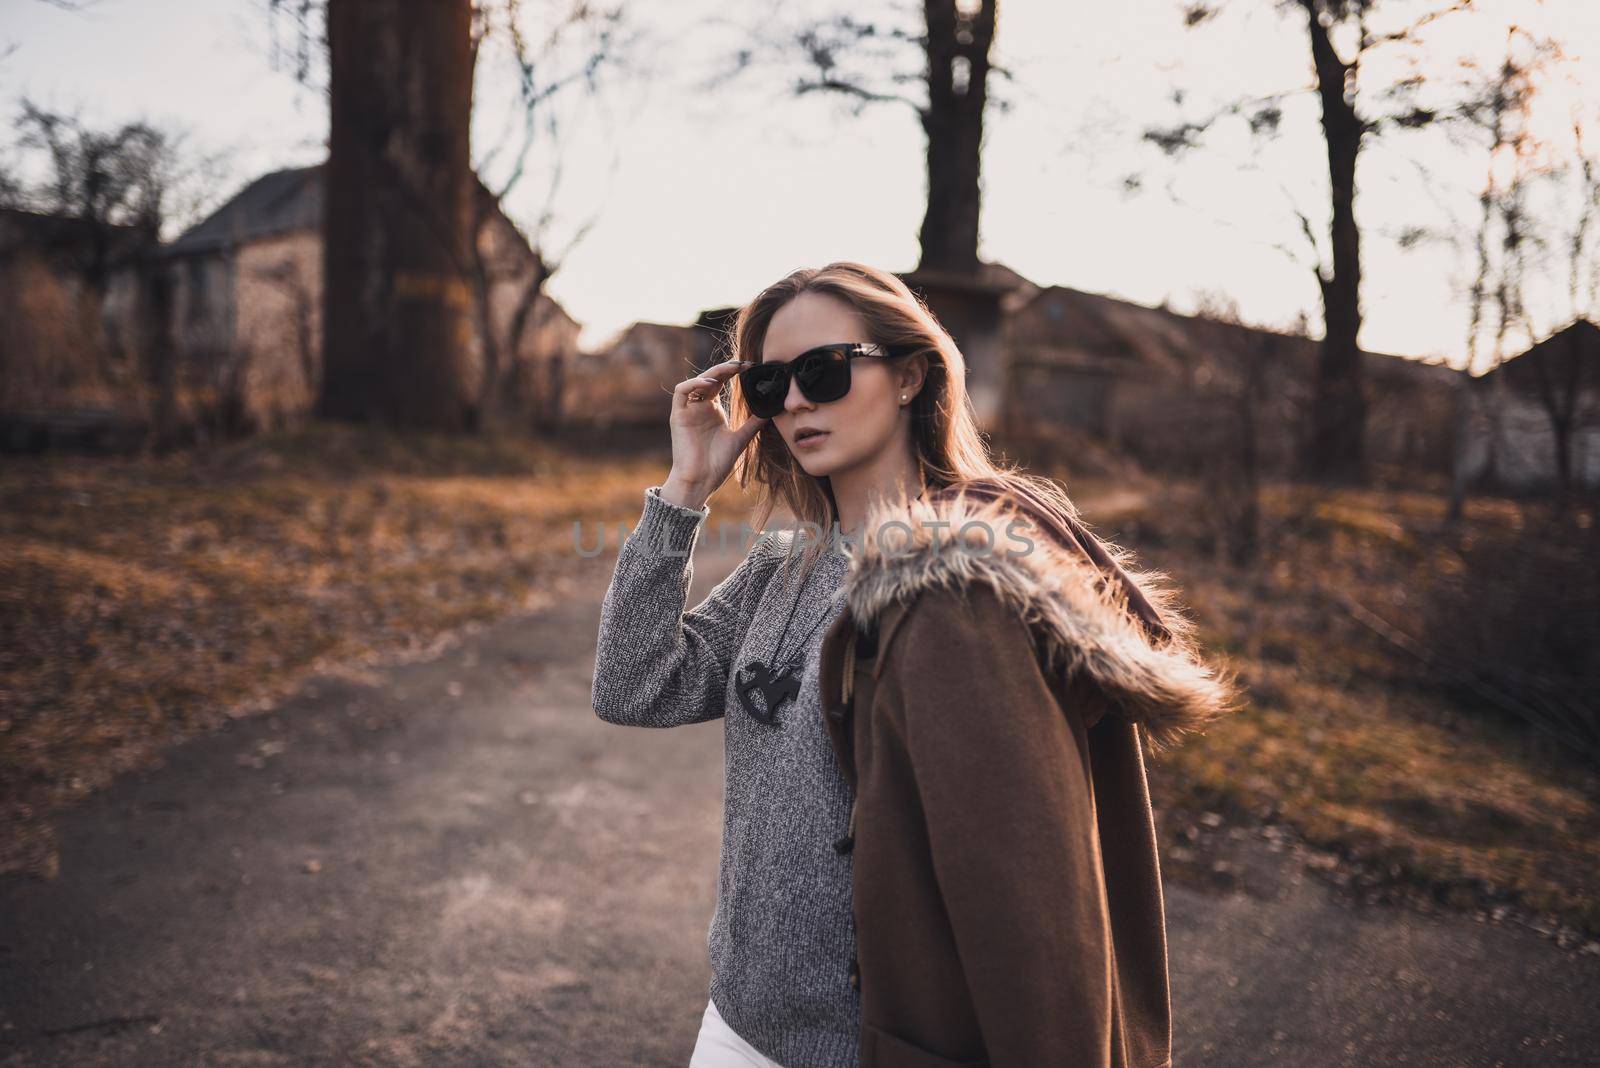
{"x":657,"y":665}
{"x":1004,"y":779}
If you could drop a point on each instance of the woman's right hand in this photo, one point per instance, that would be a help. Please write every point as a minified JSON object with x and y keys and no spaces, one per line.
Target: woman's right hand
{"x":704,"y":444}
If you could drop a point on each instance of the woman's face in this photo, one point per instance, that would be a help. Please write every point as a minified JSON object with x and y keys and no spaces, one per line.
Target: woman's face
{"x":857,"y":426}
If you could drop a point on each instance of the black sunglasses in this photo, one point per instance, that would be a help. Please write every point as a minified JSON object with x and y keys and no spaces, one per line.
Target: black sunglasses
{"x":823,"y":374}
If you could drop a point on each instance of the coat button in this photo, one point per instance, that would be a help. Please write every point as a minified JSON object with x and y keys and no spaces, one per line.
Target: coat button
{"x":855,"y":973}
{"x":845,"y":844}
{"x":836,"y":713}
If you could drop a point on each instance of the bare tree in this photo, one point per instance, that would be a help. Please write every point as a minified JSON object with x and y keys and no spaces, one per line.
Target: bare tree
{"x":420,"y":377}
{"x":574,"y":54}
{"x":1566,"y":381}
{"x":134,"y":174}
{"x":943,"y":46}
{"x":112,"y":179}
{"x":1497,"y":108}
{"x":128,"y":183}
{"x":1351,"y":114}
{"x":1582,"y":258}
{"x":1514,"y":245}
{"x":1572,"y":381}
{"x":1224,"y":441}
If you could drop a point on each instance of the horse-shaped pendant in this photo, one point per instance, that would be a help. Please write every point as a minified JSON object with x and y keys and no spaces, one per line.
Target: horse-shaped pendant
{"x":776,"y":687}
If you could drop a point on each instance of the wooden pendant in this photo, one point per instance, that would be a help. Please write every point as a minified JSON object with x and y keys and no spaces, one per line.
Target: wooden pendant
{"x":776,"y":687}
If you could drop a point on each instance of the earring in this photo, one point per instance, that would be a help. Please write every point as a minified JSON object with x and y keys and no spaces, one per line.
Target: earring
{"x":902,"y":397}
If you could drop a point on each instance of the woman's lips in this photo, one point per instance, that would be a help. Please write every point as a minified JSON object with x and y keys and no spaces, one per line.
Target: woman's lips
{"x":811,"y":439}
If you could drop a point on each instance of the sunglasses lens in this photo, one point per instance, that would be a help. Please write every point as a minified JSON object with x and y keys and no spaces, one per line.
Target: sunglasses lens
{"x":766,"y":386}
{"x":824,"y":375}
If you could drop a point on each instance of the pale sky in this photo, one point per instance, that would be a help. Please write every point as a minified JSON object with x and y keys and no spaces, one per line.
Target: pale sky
{"x":701,"y":198}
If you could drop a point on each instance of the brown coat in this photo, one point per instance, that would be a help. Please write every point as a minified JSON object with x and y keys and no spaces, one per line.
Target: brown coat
{"x":987,"y":709}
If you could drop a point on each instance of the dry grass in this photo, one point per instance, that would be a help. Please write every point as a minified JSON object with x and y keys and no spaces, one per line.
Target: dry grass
{"x":1343,"y":741}
{"x":144,"y":601}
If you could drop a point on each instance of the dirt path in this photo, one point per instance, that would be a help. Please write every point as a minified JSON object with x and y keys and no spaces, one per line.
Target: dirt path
{"x":463,"y":865}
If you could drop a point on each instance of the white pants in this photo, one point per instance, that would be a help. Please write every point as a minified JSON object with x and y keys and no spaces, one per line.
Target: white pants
{"x":720,"y":1047}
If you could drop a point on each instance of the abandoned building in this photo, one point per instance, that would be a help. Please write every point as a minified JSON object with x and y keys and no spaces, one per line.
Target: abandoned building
{"x":1159,"y":384}
{"x":241,"y":304}
{"x":247,"y":307}
{"x":1533,"y":421}
{"x":629,"y":381}
{"x":70,"y":372}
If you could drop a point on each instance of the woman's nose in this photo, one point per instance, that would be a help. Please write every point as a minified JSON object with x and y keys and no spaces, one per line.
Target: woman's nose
{"x":796,"y":400}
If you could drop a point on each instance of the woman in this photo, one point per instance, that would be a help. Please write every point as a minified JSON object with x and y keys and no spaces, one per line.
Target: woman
{"x":972,"y":718}
{"x":780,"y":941}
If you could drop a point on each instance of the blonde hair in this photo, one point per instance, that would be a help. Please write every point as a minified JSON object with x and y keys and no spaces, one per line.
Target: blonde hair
{"x":946,"y":441}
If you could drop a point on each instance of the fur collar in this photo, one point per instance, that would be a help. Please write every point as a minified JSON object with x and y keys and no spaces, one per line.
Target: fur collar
{"x":1082,"y":621}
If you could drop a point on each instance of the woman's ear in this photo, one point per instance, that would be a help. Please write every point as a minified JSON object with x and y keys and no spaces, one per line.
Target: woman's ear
{"x":912,"y":374}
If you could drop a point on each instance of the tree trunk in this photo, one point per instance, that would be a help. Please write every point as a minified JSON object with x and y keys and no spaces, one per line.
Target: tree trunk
{"x":958,"y":74}
{"x":397,"y":214}
{"x":1562,"y":384}
{"x":154,"y":282}
{"x":1335,"y":447}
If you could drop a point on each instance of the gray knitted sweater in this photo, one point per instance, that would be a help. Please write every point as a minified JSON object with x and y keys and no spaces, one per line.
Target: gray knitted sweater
{"x":781,"y":940}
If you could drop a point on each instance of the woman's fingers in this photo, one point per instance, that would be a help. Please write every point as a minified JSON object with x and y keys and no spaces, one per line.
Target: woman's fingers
{"x":708,"y":381}
{"x":698,"y":387}
{"x":698,"y":382}
{"x":727,"y":368}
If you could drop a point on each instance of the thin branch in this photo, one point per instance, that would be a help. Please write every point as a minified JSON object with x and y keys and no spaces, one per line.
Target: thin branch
{"x":1186,"y":135}
{"x":1319,"y":266}
{"x":1369,"y":42}
{"x":836,"y":85}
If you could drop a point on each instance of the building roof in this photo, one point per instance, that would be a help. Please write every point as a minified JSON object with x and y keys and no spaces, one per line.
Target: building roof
{"x":280,"y":202}
{"x":1168,"y":340}
{"x":290,"y":200}
{"x":277,"y":203}
{"x":1567,"y":359}
{"x":669,"y":333}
